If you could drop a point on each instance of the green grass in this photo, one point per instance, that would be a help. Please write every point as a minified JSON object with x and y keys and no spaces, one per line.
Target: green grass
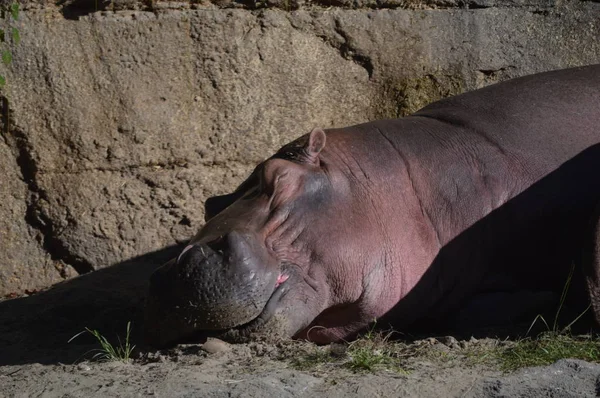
{"x":370,"y":353}
{"x":107,"y":351}
{"x":548,"y":348}
{"x":367,"y":357}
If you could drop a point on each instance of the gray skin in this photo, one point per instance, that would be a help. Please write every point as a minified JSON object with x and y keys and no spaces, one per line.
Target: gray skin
{"x":473,"y":209}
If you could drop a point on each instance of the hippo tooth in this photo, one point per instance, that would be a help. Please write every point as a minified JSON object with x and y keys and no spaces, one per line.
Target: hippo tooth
{"x":188,"y":247}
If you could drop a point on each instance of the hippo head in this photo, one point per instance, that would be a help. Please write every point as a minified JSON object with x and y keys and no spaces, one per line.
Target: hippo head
{"x":251,"y":267}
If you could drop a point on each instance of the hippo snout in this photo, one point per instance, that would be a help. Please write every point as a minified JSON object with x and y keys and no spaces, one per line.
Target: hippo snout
{"x":217,"y":285}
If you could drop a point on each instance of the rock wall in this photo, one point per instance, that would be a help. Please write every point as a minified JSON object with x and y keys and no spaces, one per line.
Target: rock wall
{"x":123,"y":120}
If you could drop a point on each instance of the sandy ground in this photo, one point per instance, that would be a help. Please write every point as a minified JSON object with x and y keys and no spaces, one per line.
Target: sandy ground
{"x":242,"y":371}
{"x":36,"y":359}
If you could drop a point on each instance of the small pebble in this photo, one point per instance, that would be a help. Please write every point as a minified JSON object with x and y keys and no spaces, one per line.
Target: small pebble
{"x":449,"y":341}
{"x":83,"y":367}
{"x":212,"y":346}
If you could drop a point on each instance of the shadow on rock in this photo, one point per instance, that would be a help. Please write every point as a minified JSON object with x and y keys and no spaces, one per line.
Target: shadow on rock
{"x":37,"y":329}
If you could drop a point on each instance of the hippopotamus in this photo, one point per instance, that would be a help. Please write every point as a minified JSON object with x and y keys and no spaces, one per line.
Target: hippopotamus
{"x":481,"y":206}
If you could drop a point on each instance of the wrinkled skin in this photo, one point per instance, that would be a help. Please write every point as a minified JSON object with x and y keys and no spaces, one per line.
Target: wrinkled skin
{"x":447,"y":215}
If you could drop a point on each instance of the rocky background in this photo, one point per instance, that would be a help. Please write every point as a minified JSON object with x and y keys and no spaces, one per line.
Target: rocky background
{"x":121,"y":118}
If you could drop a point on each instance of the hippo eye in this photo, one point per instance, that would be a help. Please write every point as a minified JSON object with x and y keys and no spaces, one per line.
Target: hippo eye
{"x":289,"y":154}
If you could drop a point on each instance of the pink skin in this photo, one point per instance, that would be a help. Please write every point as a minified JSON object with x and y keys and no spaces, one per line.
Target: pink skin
{"x":312,"y":216}
{"x":361,"y":244}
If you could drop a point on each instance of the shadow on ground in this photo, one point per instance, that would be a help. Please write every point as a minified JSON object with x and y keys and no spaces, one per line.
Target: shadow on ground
{"x":36,"y":329}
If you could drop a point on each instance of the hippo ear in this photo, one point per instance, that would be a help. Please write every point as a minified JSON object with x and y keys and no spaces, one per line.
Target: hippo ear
{"x":316,"y":143}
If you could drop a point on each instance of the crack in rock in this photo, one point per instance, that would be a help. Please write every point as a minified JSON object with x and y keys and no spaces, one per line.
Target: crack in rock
{"x":18,"y":141}
{"x":347,"y":50}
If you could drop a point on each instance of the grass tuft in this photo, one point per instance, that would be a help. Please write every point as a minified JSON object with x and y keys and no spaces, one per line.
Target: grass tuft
{"x":548,"y":348}
{"x":372,"y":352}
{"x":109,"y":352}
{"x":368,"y":358}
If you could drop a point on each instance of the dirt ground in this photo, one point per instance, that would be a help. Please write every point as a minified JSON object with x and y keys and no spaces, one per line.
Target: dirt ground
{"x":245,"y":371}
{"x":36,"y":359}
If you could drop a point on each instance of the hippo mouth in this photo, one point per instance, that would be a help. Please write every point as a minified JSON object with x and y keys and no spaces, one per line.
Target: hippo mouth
{"x":204,"y":292}
{"x":267,"y":312}
{"x":242,"y":332}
